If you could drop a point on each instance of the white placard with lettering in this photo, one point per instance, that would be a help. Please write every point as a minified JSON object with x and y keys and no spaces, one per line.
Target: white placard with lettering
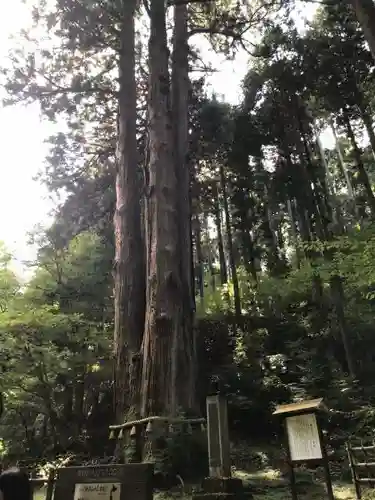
{"x":303,"y":436}
{"x":97,"y":491}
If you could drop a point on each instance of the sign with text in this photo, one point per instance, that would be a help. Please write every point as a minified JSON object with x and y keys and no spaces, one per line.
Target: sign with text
{"x":105,"y":482}
{"x":97,"y":491}
{"x":303,"y":437}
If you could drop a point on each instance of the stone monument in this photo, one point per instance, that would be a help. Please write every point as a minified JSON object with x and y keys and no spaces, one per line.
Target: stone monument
{"x":220,"y":483}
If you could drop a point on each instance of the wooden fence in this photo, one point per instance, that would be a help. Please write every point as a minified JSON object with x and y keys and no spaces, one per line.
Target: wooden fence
{"x":362,"y":466}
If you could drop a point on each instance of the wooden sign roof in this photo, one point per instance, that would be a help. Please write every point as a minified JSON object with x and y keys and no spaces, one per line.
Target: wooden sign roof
{"x":301,"y":407}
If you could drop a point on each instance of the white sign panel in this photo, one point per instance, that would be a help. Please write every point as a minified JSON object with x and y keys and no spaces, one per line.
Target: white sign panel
{"x":303,"y":436}
{"x":97,"y":491}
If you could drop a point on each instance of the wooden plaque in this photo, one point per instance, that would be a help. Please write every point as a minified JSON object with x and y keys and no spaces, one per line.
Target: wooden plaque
{"x":303,"y":437}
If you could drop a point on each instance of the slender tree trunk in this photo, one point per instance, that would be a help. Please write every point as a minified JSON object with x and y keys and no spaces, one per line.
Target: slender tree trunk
{"x":342,"y":163}
{"x":369,"y":129}
{"x":209,"y":255}
{"x":365,"y":12}
{"x":319,"y":202}
{"x":248,"y":253}
{"x":68,"y":402}
{"x":310,"y":196}
{"x":337,"y":295}
{"x":293,"y":227}
{"x":129,"y":256}
{"x":332,"y":208}
{"x":79,"y":397}
{"x":167,"y":343}
{"x":328,"y":178}
{"x":199,"y":256}
{"x":304,"y":224}
{"x":233,"y":269}
{"x":363,"y":177}
{"x":220,"y":242}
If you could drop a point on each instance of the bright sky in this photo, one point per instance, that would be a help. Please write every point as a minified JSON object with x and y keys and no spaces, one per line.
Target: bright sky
{"x":23,"y":201}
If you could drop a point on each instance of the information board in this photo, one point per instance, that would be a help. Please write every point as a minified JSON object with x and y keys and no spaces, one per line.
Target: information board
{"x":105,"y":482}
{"x":97,"y":491}
{"x":303,"y":436}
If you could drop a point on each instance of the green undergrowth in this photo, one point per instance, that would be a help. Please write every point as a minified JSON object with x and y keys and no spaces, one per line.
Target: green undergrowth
{"x":266,"y":485}
{"x":270,"y":485}
{"x":40,"y":494}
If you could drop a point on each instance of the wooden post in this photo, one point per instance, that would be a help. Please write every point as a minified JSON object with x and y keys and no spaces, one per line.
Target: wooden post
{"x":292,"y":476}
{"x":327,"y":472}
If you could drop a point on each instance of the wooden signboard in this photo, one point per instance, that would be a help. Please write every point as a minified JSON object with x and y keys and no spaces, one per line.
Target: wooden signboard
{"x":105,"y":482}
{"x":305,"y":442}
{"x":303,"y":437}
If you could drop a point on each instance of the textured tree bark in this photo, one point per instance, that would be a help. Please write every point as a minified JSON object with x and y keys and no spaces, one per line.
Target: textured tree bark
{"x":129,"y":256}
{"x":365,"y":12}
{"x":166,"y":352}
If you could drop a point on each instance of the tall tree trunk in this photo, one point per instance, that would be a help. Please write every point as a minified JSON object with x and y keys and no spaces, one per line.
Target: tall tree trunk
{"x":232,"y":263}
{"x":362,"y":174}
{"x":180,"y":100}
{"x":220,"y":242}
{"x":129,"y":256}
{"x":167,"y":343}
{"x":365,"y":12}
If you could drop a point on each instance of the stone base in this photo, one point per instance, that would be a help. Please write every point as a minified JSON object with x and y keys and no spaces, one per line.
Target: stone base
{"x":217,"y":488}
